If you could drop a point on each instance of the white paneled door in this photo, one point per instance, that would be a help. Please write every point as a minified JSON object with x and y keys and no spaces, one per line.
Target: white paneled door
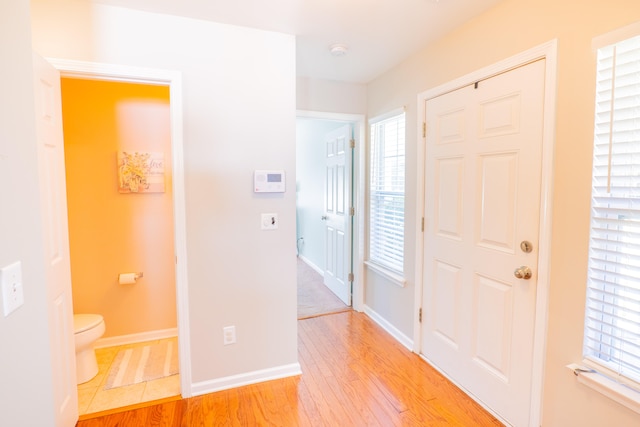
{"x":482,"y":214}
{"x":53,"y":198}
{"x":337,"y":218}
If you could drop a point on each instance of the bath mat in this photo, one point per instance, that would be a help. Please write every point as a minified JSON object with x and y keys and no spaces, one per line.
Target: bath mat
{"x":145,"y":363}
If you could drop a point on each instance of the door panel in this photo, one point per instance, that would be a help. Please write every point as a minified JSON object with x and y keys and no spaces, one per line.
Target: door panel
{"x":337,"y":219}
{"x":497,"y":202}
{"x":53,"y":199}
{"x":449,"y":175}
{"x":482,"y":193}
{"x":492,"y":308}
{"x":446,"y":298}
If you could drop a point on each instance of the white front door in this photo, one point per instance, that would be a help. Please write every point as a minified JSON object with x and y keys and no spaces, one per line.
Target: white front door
{"x":337,"y":218}
{"x":53,"y":198}
{"x":482,"y":214}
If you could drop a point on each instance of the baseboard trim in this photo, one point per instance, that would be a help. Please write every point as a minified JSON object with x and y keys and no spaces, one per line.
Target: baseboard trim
{"x":311,"y":264}
{"x":248,"y":378}
{"x":134,"y":338}
{"x":392,"y":330}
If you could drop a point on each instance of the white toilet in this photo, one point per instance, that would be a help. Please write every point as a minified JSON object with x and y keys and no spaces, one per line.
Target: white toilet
{"x":87,"y":329}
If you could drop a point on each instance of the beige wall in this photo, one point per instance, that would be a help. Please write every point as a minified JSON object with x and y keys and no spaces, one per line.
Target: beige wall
{"x":109,"y":232}
{"x":512,"y":27}
{"x":239,"y":115}
{"x":25,"y":364}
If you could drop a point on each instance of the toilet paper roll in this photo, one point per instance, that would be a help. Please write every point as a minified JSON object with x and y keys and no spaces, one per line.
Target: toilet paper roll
{"x":127,"y":278}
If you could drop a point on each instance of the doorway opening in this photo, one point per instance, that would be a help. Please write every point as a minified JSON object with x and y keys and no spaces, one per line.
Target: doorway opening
{"x":117,"y":145}
{"x":328,"y":211}
{"x":171,"y":81}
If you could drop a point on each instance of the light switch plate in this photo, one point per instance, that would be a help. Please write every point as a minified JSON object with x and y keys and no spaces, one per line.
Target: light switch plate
{"x":269,"y":221}
{"x":11,"y":283}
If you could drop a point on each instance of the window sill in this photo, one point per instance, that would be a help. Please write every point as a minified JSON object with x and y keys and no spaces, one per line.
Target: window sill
{"x":606,"y":386}
{"x":395,"y":278}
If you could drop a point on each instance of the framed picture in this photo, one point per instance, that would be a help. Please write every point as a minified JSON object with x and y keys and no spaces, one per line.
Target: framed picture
{"x":140,"y":172}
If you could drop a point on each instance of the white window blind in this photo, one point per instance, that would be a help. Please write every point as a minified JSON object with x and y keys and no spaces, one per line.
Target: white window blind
{"x":386,"y":193}
{"x":612,"y":324}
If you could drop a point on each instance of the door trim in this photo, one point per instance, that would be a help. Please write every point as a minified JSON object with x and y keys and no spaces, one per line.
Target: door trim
{"x":173,"y":79}
{"x":358,"y":120}
{"x":547,"y":51}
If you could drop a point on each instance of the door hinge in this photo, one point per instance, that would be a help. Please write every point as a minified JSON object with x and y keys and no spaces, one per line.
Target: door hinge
{"x":422,"y":225}
{"x":424,"y":129}
{"x":352,"y":211}
{"x":420,"y":315}
{"x":350,"y":278}
{"x":352,"y":143}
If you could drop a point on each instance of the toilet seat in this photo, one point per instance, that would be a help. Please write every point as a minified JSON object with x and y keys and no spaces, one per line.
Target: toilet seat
{"x":84,"y":322}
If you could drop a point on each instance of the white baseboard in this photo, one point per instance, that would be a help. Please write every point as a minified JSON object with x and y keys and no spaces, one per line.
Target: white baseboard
{"x":240,"y":380}
{"x":312,"y":265}
{"x":134,"y":338}
{"x":384,"y":324}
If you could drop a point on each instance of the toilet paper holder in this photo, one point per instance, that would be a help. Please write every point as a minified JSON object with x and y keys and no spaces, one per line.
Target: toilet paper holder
{"x":129,"y":278}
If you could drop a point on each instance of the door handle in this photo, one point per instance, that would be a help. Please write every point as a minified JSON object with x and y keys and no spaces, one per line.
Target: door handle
{"x":523,"y":272}
{"x":323,"y":217}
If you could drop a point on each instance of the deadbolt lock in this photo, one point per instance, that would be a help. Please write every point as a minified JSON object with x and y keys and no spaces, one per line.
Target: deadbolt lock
{"x":526,"y":246}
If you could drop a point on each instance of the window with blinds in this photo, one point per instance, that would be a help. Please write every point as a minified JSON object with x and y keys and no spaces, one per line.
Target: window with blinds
{"x":612,"y":324}
{"x":386,"y":192}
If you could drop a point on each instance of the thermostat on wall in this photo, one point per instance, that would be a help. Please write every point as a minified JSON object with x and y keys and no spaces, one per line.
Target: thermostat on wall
{"x":268,"y":181}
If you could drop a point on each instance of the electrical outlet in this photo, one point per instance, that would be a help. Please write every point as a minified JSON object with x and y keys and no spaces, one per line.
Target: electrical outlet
{"x":229,"y":335}
{"x":11,"y":281}
{"x":269,"y":221}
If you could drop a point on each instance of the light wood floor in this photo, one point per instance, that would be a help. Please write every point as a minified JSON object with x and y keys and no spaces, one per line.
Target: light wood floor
{"x":354,"y":374}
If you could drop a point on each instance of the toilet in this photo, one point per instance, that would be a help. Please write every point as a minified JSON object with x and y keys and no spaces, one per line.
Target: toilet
{"x":87,"y":329}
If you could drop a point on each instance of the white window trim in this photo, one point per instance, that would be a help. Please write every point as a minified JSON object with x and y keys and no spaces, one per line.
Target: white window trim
{"x":392,"y":276}
{"x":395,"y":277}
{"x":388,"y":114}
{"x":602,"y":384}
{"x":592,"y":374}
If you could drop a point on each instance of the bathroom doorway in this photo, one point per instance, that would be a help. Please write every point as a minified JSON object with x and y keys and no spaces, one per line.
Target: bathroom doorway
{"x":117,"y":140}
{"x":174,"y":182}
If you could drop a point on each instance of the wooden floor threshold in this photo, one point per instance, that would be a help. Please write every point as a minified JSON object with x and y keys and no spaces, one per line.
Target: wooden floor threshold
{"x":127,"y":408}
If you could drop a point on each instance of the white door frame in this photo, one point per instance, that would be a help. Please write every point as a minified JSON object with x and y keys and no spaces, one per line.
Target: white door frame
{"x":173,"y":79}
{"x":357,"y":298}
{"x":547,"y":51}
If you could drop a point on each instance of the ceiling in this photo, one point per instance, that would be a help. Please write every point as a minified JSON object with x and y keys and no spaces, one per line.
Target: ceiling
{"x":379,"y":33}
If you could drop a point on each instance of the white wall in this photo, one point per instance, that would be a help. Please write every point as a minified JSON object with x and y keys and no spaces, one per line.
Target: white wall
{"x":25,"y":366}
{"x":239,"y":115}
{"x":310,"y":166}
{"x":330,"y":96}
{"x":512,"y":27}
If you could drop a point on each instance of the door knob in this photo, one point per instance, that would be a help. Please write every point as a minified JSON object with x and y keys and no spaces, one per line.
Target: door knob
{"x":523,"y":272}
{"x":323,"y":217}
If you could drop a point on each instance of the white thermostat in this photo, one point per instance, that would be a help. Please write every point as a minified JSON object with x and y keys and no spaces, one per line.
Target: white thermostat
{"x":268,"y":181}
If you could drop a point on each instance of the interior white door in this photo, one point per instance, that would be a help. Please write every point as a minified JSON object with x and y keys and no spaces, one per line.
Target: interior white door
{"x":53,"y":198}
{"x":337,"y":218}
{"x":482,"y":214}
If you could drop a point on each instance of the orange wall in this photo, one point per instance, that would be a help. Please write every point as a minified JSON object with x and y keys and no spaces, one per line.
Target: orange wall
{"x":112,"y":233}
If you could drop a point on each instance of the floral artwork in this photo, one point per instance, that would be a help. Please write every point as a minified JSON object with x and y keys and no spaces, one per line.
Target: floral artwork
{"x":140,"y":172}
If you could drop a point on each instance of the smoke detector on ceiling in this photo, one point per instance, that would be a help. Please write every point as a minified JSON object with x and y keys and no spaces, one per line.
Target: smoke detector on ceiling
{"x":338,"y":49}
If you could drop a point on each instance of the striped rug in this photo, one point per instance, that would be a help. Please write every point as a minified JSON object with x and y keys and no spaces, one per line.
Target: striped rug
{"x":145,"y":363}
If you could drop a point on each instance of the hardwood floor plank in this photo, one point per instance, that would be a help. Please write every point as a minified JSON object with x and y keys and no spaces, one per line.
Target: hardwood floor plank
{"x":353,"y":374}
